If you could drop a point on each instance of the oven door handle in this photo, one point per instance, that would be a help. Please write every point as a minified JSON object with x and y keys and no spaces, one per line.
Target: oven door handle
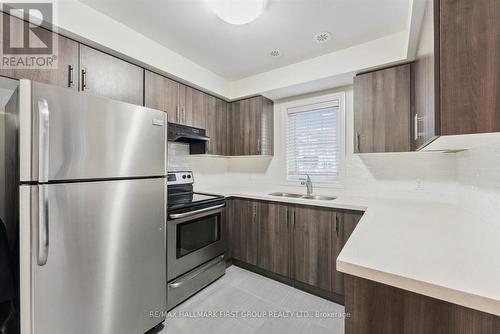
{"x":198,"y":272}
{"x":195,"y":212}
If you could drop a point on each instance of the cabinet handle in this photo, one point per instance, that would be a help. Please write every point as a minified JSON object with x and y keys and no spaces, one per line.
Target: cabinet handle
{"x":183,"y":115}
{"x":258,"y":146}
{"x":416,"y":127}
{"x":177,"y":115}
{"x":358,"y":140}
{"x":337,"y":225}
{"x":84,"y":79}
{"x":286,"y":219}
{"x":293,"y":221}
{"x":70,"y":76}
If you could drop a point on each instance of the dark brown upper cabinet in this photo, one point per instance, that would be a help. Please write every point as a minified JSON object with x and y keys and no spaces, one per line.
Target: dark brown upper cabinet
{"x":469,"y":66}
{"x":382,"y":110}
{"x":250,"y":127}
{"x":105,"y":75}
{"x":193,"y":107}
{"x":163,"y":94}
{"x":183,"y":104}
{"x":455,"y":81}
{"x":216,"y":120}
{"x":66,"y":50}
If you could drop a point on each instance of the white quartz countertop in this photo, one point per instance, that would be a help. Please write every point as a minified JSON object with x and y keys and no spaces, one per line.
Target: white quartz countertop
{"x":435,"y":249}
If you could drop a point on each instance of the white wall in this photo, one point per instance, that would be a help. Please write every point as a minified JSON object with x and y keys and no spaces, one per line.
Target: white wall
{"x":478,"y":175}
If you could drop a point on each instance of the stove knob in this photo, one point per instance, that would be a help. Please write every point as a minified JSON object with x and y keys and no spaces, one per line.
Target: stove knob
{"x":184,"y":176}
{"x":189,"y":176}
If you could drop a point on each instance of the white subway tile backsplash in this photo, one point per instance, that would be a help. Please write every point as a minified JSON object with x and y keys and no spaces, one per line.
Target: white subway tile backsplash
{"x":178,"y":157}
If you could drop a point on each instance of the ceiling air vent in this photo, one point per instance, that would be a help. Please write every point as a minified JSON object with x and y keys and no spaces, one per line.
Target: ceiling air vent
{"x":275,"y":53}
{"x":322,"y":37}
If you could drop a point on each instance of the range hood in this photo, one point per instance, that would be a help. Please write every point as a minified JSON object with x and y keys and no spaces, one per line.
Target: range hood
{"x":195,"y":137}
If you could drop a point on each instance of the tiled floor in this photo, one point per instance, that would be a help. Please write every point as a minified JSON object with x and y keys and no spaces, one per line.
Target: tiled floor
{"x":252,"y":298}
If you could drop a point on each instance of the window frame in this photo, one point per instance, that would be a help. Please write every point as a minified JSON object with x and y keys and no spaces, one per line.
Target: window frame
{"x":317,"y":102}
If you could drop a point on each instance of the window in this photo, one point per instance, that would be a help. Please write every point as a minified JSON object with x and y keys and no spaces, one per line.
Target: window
{"x":314,"y":140}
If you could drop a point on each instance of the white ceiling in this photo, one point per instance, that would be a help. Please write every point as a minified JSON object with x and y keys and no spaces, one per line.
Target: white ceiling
{"x":189,"y":28}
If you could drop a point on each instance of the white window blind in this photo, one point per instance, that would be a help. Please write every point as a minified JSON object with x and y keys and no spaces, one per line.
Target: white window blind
{"x":313,"y":142}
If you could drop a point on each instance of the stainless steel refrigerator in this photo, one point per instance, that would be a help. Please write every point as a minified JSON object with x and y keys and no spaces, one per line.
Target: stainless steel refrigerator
{"x":87,"y":178}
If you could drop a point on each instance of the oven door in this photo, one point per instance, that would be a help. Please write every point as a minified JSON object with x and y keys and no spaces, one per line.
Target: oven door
{"x":194,"y":238}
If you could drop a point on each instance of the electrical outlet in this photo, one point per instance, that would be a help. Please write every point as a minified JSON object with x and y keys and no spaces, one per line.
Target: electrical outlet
{"x":419,"y":184}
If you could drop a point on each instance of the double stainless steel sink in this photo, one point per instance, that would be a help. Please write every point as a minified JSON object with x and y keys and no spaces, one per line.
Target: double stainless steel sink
{"x":313,"y":197}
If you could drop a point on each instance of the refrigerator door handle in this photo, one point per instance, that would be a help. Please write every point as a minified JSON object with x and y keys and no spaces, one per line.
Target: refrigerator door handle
{"x":43,"y":226}
{"x":43,"y":141}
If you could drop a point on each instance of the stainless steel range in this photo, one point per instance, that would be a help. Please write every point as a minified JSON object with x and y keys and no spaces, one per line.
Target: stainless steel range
{"x":195,"y":243}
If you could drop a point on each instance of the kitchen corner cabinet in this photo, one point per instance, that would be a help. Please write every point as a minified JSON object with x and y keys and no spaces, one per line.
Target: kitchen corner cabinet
{"x":216,"y":118}
{"x":105,"y":75}
{"x":250,"y":127}
{"x":299,"y":243}
{"x":382,"y":109}
{"x":66,"y":73}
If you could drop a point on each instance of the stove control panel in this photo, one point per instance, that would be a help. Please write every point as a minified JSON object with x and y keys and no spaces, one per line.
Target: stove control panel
{"x":180,"y":178}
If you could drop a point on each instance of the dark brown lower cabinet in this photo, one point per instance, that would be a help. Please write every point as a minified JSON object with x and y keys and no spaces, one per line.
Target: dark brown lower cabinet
{"x":274,"y":238}
{"x":345,"y":223}
{"x":243,"y":230}
{"x":313,"y":246}
{"x":376,"y":308}
{"x":298,"y":243}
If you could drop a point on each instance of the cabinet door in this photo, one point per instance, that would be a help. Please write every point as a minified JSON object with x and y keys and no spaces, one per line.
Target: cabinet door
{"x":66,"y":73}
{"x":161,"y":93}
{"x":313,"y":246}
{"x":274,"y":238}
{"x":244,"y":128}
{"x":194,"y":112}
{"x":235,"y":124}
{"x":345,"y":223}
{"x":216,"y":112}
{"x":250,"y":127}
{"x":425,"y":127}
{"x":382,"y":110}
{"x":243,"y":230}
{"x":105,"y":75}
{"x":469,"y":66}
{"x":266,"y":144}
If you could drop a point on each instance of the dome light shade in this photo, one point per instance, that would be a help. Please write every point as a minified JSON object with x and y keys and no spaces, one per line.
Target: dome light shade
{"x":237,"y":11}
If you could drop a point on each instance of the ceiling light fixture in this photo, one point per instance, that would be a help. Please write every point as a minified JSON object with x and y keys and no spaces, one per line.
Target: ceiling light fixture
{"x":237,"y":11}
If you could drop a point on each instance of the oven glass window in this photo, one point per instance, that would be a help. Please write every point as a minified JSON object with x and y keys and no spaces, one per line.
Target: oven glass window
{"x":196,"y":234}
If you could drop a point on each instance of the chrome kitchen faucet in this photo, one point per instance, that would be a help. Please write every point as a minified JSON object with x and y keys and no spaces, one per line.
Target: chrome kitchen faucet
{"x":308,"y":183}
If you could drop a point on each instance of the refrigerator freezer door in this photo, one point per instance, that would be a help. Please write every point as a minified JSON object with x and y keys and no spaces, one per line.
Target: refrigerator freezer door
{"x":104,"y":268}
{"x":78,"y":136}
